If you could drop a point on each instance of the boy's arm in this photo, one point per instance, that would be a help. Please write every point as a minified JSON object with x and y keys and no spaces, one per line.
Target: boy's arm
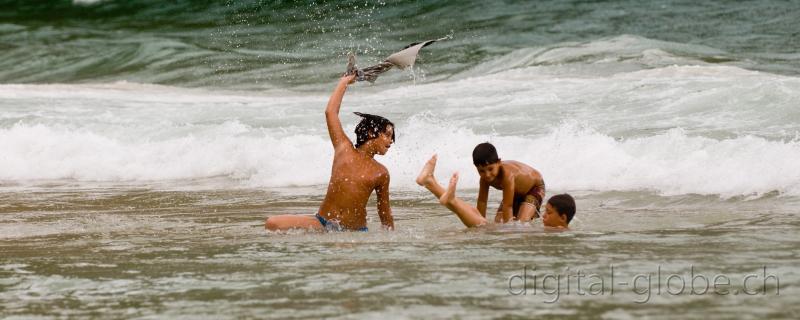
{"x":507,"y":206}
{"x":384,"y":209}
{"x":338,"y":137}
{"x":483,"y":197}
{"x":498,"y":217}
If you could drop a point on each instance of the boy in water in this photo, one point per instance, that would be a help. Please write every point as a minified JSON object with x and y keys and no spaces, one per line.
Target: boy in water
{"x":355,"y":174}
{"x":522,"y":186}
{"x":558,"y":212}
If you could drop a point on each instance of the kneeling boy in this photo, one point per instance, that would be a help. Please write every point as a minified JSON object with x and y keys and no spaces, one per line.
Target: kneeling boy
{"x":558,"y":212}
{"x":522,"y":186}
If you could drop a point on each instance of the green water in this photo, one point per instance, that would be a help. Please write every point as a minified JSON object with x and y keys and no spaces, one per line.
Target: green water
{"x":260,"y":44}
{"x":143,"y":143}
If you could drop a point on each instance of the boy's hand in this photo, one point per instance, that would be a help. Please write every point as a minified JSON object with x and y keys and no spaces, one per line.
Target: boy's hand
{"x":498,"y":218}
{"x":349,"y":79}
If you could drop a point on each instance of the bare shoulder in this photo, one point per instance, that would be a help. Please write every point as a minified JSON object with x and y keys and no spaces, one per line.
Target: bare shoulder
{"x":344,"y":154}
{"x":381,"y":170}
{"x":344,"y":149}
{"x":521,"y":168}
{"x":380,"y":174}
{"x":516,"y":165}
{"x":512,"y":168}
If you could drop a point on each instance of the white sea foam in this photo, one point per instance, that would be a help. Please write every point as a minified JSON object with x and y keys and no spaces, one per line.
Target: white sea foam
{"x":41,"y":152}
{"x":607,"y":55}
{"x":673,"y":130}
{"x":86,"y":2}
{"x":571,"y":157}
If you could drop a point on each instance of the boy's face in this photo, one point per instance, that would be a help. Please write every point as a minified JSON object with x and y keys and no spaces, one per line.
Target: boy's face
{"x":488,"y":172}
{"x":384,"y":140}
{"x":552,"y":218}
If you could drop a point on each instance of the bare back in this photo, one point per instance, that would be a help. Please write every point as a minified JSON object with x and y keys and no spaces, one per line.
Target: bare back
{"x":525,"y":177}
{"x":353,"y":178}
{"x":354,"y":174}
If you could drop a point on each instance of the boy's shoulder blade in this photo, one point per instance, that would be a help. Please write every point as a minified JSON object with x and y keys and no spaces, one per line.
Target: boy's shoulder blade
{"x":383,"y":170}
{"x":518,"y":166}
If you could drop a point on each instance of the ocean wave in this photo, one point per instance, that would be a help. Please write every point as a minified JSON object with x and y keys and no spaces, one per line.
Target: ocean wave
{"x":622,"y":53}
{"x":572,"y":157}
{"x":250,"y":44}
{"x":39,"y":152}
{"x":711,"y":130}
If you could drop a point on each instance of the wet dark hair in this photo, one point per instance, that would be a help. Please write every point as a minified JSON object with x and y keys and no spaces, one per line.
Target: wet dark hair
{"x":484,"y":154}
{"x":564,"y":204}
{"x":370,"y":126}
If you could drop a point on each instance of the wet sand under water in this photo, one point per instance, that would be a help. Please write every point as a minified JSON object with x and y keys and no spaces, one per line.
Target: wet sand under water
{"x":139,"y":252}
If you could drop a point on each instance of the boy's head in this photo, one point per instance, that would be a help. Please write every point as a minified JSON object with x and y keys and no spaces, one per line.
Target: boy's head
{"x":372,"y":127}
{"x":485,"y":158}
{"x":559,"y":211}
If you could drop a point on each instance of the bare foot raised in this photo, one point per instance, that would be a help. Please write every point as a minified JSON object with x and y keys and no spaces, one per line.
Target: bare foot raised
{"x":425,"y":177}
{"x":450,"y":194}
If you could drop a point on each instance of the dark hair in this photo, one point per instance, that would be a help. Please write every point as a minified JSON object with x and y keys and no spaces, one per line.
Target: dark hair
{"x":370,"y":126}
{"x":564,"y":204}
{"x":484,"y":154}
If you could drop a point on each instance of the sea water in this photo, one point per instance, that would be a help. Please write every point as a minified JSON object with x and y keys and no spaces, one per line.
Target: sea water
{"x":142,"y":145}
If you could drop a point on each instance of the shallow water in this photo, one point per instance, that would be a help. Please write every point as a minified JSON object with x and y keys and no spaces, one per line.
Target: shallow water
{"x":119,"y":252}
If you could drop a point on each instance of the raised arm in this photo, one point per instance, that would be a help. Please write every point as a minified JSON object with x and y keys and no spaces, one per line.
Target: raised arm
{"x":338,"y":137}
{"x":384,"y":209}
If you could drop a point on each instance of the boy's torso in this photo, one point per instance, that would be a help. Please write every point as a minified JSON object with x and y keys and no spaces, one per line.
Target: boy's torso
{"x":353,"y":178}
{"x":525,"y":177}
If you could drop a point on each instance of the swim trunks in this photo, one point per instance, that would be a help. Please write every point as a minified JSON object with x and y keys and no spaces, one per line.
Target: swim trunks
{"x":533,"y":197}
{"x":333,"y":225}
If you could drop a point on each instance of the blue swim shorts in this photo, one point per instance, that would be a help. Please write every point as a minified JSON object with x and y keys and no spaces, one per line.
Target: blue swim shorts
{"x":335,"y":226}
